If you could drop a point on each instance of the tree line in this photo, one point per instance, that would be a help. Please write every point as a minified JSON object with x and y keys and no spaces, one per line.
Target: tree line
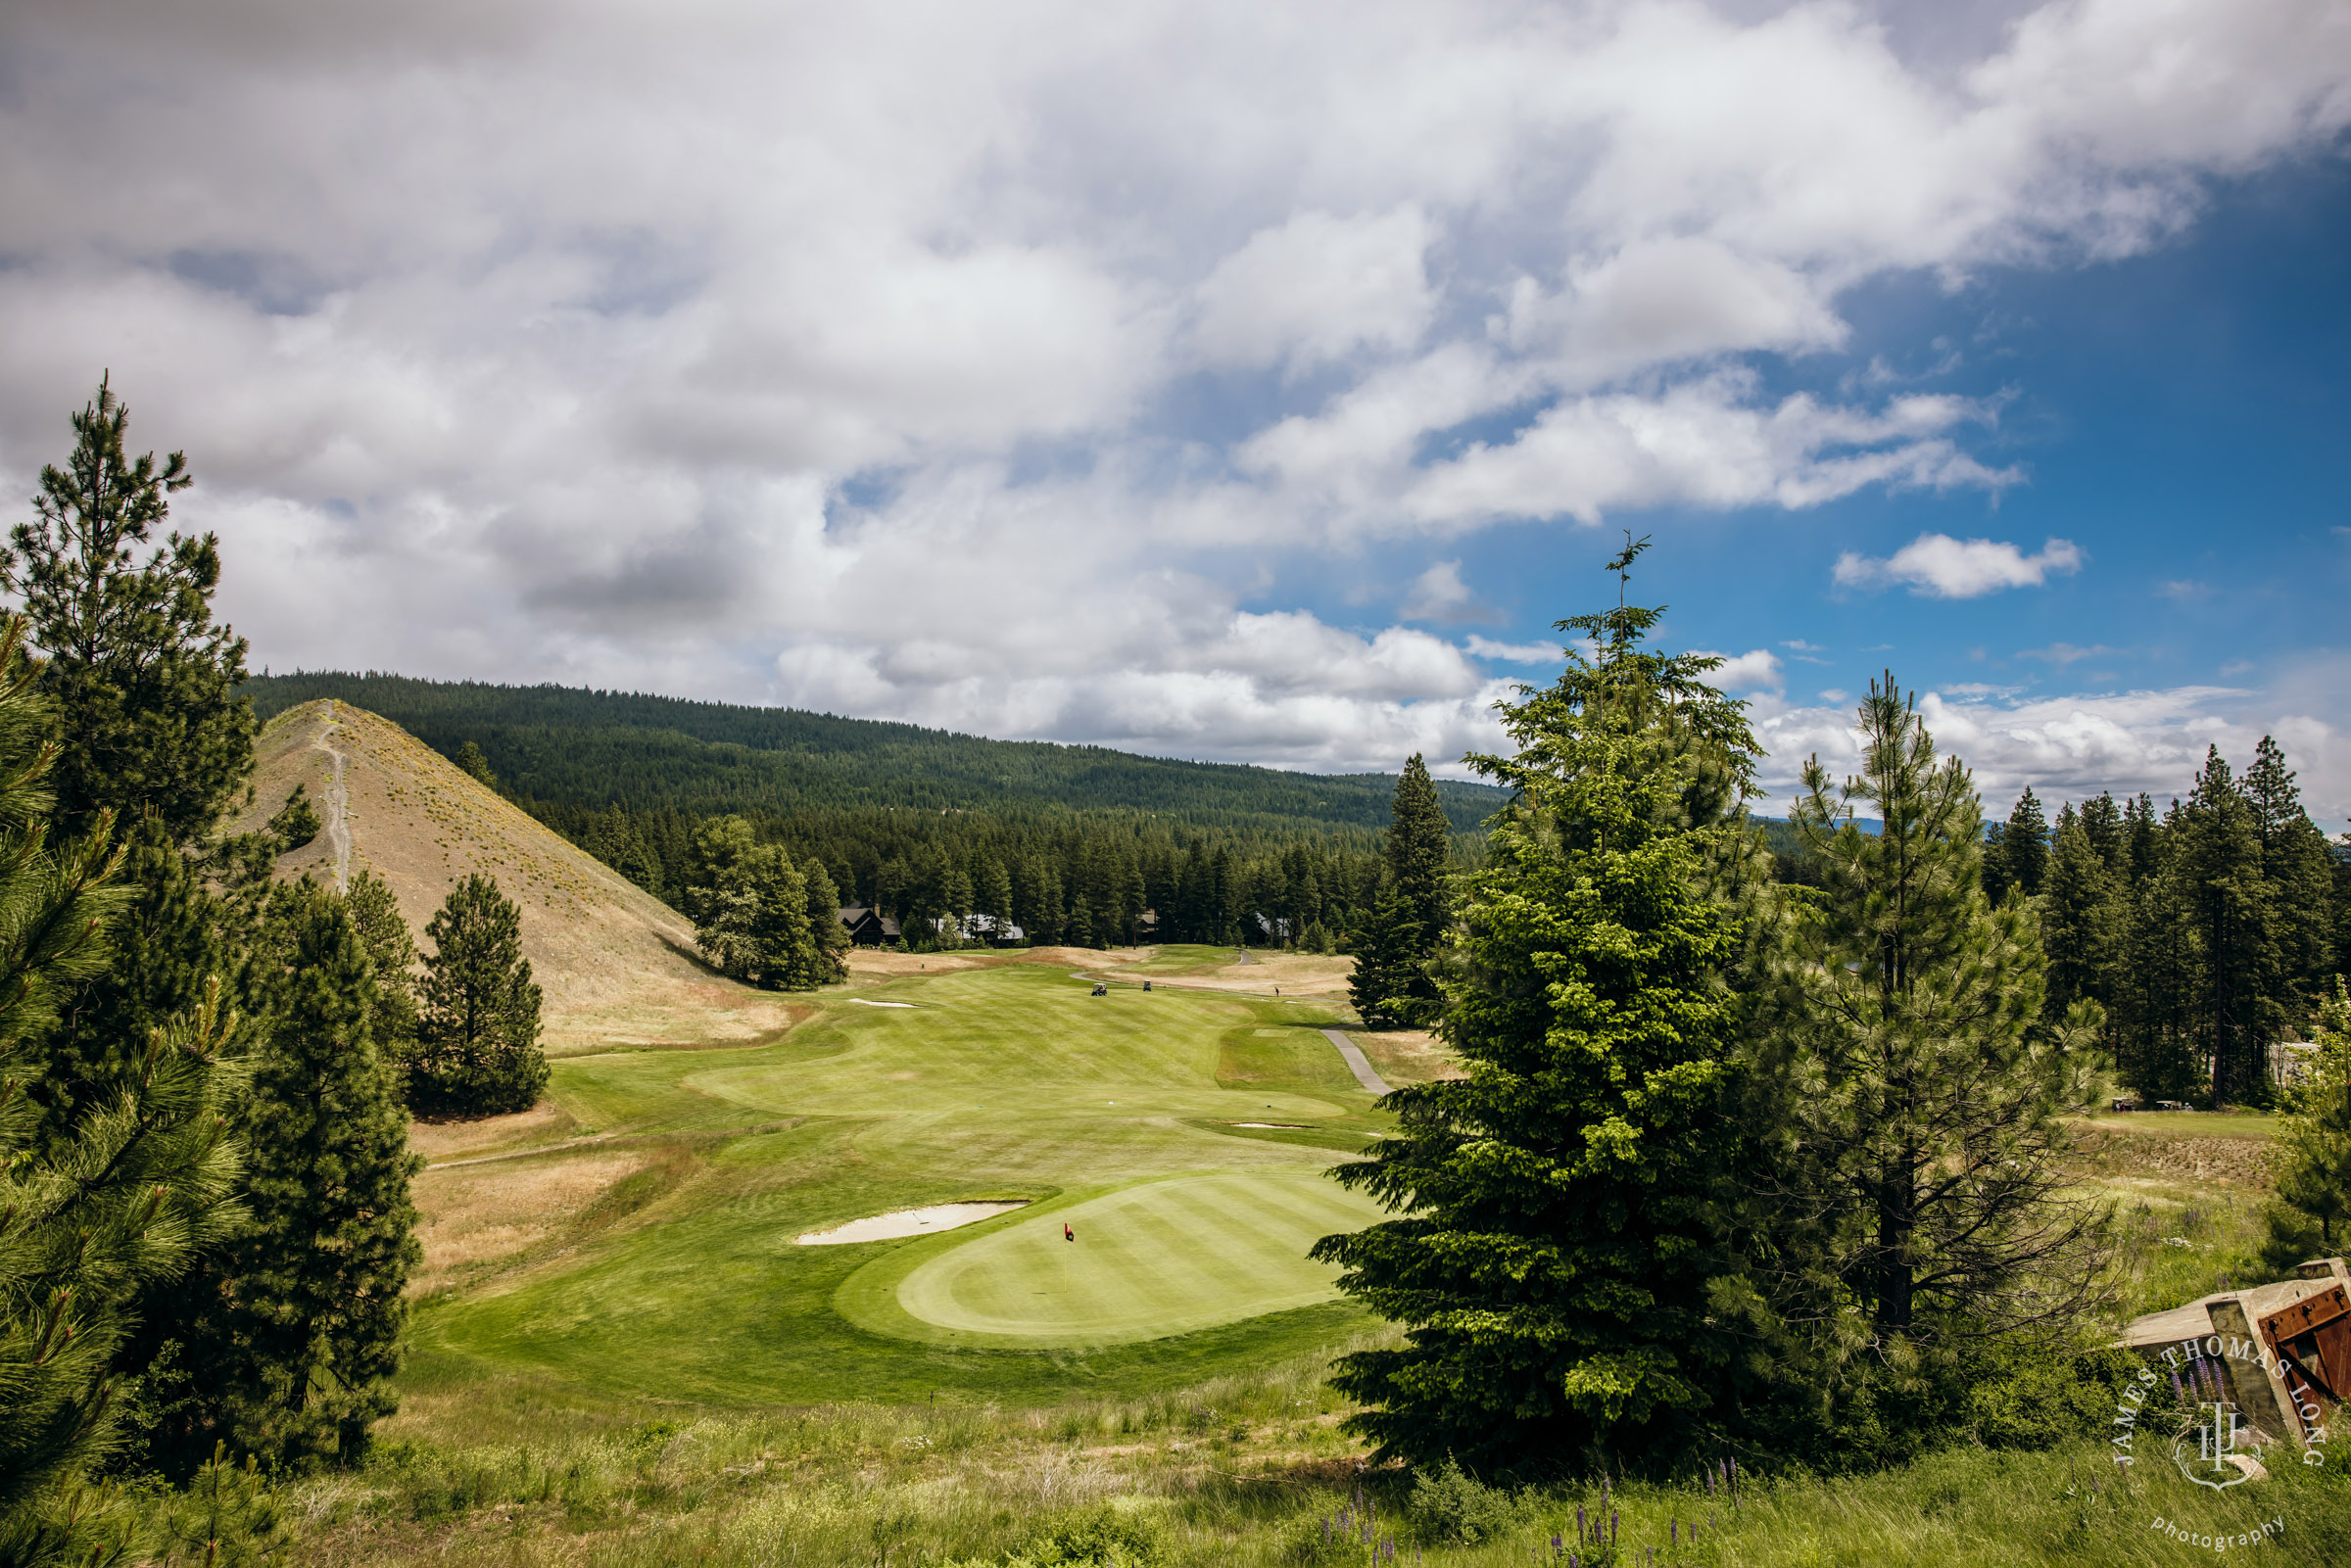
{"x":589,"y":748}
{"x":206,"y":1070}
{"x":1082,"y":879}
{"x":1758,"y":1155}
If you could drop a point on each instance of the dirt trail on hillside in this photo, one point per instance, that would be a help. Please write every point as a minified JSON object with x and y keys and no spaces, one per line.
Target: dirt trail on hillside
{"x":338,"y":797}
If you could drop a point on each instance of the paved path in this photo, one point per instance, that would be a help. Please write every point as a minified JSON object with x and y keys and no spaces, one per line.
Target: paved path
{"x":1356,"y":1063}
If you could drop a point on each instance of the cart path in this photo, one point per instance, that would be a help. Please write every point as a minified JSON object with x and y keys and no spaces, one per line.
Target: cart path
{"x":1356,"y":1061}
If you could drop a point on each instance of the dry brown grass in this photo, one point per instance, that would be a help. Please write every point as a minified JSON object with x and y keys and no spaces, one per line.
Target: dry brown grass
{"x":1291,"y":974}
{"x":617,"y":965}
{"x":475,"y":1217}
{"x":1407,"y":1056}
{"x":881,"y":964}
{"x":443,"y":1141}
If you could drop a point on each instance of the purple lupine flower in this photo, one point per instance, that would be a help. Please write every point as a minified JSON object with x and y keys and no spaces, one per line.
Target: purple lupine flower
{"x":1611,"y":1527}
{"x":1580,"y":1531}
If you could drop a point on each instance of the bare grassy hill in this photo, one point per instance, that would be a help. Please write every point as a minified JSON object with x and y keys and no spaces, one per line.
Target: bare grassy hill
{"x":616,"y":964}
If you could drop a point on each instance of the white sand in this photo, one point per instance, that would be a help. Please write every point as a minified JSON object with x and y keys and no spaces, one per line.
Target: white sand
{"x":1269,"y":1123}
{"x":862,"y":1002}
{"x":908,"y":1222}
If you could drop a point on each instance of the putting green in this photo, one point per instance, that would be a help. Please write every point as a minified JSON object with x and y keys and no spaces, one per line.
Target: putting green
{"x":1160,"y":1258}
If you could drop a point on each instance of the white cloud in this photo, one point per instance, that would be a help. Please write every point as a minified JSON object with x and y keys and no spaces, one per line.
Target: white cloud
{"x":1938,"y":566}
{"x":1517,"y":652}
{"x":856,"y":355}
{"x":2063,"y":654}
{"x":1316,"y":289}
{"x":2073,"y":747}
{"x":1754,"y":671}
{"x":1440,"y":595}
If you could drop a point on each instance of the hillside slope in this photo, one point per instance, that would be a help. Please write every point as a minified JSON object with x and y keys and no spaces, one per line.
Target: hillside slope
{"x":616,"y":964}
{"x":589,"y":748}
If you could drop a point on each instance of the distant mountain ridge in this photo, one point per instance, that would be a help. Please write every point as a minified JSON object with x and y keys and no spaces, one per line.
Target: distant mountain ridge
{"x":589,"y":747}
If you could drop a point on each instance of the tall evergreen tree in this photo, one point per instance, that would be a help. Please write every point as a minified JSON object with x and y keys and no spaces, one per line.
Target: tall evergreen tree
{"x":1557,"y":1256}
{"x":2215,"y":858}
{"x":315,"y":1308}
{"x":2025,"y":844}
{"x":828,"y":938}
{"x":120,"y":1195}
{"x":2311,"y":1216}
{"x":479,"y":1029}
{"x":384,"y":933}
{"x":143,"y":685}
{"x":1915,"y":1203}
{"x":1394,"y":946}
{"x":2081,"y":919}
{"x":2299,"y":868}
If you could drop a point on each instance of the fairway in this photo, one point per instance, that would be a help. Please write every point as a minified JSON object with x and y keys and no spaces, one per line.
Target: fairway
{"x":1149,"y":1261}
{"x":981,"y":1086}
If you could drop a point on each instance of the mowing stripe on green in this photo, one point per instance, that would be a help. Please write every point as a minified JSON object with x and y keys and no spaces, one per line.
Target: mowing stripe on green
{"x":1160,"y":1258}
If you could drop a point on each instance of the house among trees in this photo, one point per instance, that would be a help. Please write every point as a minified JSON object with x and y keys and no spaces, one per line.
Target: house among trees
{"x":982,"y":929}
{"x":868,"y":927}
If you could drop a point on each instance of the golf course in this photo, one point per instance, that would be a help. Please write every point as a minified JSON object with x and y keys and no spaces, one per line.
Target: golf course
{"x":1166,"y":1149}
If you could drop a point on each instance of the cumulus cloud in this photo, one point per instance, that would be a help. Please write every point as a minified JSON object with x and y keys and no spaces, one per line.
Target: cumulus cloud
{"x":1938,"y":566}
{"x":2073,"y":747}
{"x":941,"y":361}
{"x":1756,"y":671}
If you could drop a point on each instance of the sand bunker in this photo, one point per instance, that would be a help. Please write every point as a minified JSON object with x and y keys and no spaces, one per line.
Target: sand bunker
{"x":862,"y":1002}
{"x":1269,"y":1123}
{"x":909,"y":1221}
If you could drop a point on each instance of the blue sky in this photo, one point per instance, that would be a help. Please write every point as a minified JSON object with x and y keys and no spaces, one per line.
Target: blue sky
{"x":1219,"y":380}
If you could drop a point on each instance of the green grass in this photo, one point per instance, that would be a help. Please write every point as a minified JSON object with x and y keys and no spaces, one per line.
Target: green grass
{"x":1011,"y":1082}
{"x":1147,"y":1262}
{"x":2189,"y":1123}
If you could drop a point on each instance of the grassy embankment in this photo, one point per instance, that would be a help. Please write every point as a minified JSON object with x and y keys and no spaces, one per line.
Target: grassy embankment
{"x":624,"y":1359}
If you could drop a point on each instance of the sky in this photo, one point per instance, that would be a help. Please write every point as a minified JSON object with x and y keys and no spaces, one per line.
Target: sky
{"x":1234,"y":381}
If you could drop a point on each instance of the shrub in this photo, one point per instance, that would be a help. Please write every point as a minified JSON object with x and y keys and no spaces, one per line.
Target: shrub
{"x":1451,"y":1505}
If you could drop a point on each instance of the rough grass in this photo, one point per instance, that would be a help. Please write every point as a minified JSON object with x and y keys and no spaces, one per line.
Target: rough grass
{"x":659,"y":1376}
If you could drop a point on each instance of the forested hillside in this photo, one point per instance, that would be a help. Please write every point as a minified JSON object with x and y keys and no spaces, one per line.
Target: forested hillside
{"x":589,"y":749}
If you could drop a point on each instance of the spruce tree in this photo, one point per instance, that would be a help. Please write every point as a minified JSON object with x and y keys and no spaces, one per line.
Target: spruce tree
{"x":315,"y":1307}
{"x":1391,"y":985}
{"x":2310,"y":1217}
{"x":117,"y":1195}
{"x":142,"y":684}
{"x":1914,"y":1203}
{"x":479,"y":1024}
{"x":474,"y":765}
{"x":1558,"y":1251}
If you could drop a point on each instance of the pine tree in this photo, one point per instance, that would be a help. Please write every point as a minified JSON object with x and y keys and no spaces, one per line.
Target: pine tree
{"x":2081,"y":919}
{"x":118,"y":1195}
{"x":1914,"y":1199}
{"x":480,"y":1021}
{"x":2229,"y":903}
{"x":2299,"y":868}
{"x":2025,"y":844}
{"x":1391,"y":983}
{"x":474,"y":765}
{"x":142,"y":685}
{"x":828,"y":936}
{"x":2310,"y":1217}
{"x":384,"y":933}
{"x":315,"y":1305}
{"x":1556,"y":1260}
{"x":297,"y":820}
